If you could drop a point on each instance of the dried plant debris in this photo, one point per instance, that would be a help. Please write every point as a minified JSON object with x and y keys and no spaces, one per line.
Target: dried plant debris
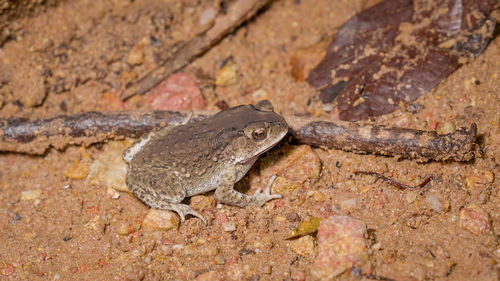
{"x":398,"y":50}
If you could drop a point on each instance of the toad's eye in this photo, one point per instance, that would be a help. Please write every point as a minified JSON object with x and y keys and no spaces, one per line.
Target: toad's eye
{"x":259,"y":134}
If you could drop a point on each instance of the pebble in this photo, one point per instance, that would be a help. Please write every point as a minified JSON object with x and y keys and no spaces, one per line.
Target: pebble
{"x":303,"y":60}
{"x":7,"y":269}
{"x":209,"y":276}
{"x":229,"y":226}
{"x":207,"y":16}
{"x":475,"y":219}
{"x":113,"y":193}
{"x":446,"y":128}
{"x":177,"y":92}
{"x":219,"y":260}
{"x":201,"y":202}
{"x":348,"y":204}
{"x":260,"y":94}
{"x":136,"y":55}
{"x":109,"y":169}
{"x":303,"y":246}
{"x":77,"y":171}
{"x":479,"y":179}
{"x":226,"y":76}
{"x":318,"y":196}
{"x":411,"y":196}
{"x":160,"y":220}
{"x":30,"y":194}
{"x":341,"y":245}
{"x":436,"y":202}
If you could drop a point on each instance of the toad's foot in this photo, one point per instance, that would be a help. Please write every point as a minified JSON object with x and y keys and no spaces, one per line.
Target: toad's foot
{"x":184,"y":210}
{"x":262,"y":196}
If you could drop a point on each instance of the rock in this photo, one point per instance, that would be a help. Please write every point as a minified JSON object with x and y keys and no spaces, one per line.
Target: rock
{"x":229,"y":226}
{"x":136,"y":55}
{"x":160,"y":220}
{"x":348,"y":204}
{"x":341,"y":245}
{"x":77,"y":171}
{"x":260,"y":94}
{"x":226,"y":76}
{"x":475,"y":219}
{"x":177,"y":92}
{"x":303,"y":246}
{"x":109,"y":169}
{"x":7,"y":269}
{"x":112,"y":193}
{"x":209,"y":276}
{"x":436,"y":202}
{"x":303,"y":60}
{"x":318,"y":196}
{"x":479,"y":179}
{"x":219,"y":260}
{"x":30,"y":194}
{"x":411,"y":196}
{"x":201,"y":202}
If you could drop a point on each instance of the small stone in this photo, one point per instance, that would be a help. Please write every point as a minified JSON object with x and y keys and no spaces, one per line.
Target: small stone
{"x":446,"y":128}
{"x":30,"y":194}
{"x":77,"y":171}
{"x":267,"y":269}
{"x":113,"y":193}
{"x":341,"y":245}
{"x":474,"y":219}
{"x":136,"y":55}
{"x":160,"y":220}
{"x":125,"y":229}
{"x":201,"y":202}
{"x":229,"y":227}
{"x":109,"y":169}
{"x":7,"y":269}
{"x":207,"y":16}
{"x":226,"y":75}
{"x":219,"y":260}
{"x":209,"y":276}
{"x":303,"y":246}
{"x":178,"y":92}
{"x":348,"y":204}
{"x":411,"y":196}
{"x":260,"y":94}
{"x":280,"y":218}
{"x":303,"y":60}
{"x":221,"y":218}
{"x":436,"y":202}
{"x":318,"y":196}
{"x":97,"y":224}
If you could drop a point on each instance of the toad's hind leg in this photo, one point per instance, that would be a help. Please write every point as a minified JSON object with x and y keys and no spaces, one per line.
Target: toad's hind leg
{"x":179,"y":208}
{"x":159,"y":192}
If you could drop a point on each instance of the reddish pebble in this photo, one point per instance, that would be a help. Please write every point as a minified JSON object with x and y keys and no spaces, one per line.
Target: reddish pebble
{"x":341,"y":245}
{"x":221,"y":218}
{"x":177,"y":92}
{"x":7,"y":269}
{"x":474,"y":219}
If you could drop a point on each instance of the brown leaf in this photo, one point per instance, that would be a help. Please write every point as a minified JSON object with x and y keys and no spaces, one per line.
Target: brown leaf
{"x":397,"y":51}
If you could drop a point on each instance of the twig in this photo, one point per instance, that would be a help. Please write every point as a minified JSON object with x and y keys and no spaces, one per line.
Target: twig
{"x":393,"y":182}
{"x":35,"y":136}
{"x":238,"y":12}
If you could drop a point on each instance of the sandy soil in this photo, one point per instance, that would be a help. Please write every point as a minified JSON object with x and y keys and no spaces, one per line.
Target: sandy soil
{"x":72,"y":57}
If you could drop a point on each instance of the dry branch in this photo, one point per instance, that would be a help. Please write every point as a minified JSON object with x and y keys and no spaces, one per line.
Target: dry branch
{"x":35,"y":136}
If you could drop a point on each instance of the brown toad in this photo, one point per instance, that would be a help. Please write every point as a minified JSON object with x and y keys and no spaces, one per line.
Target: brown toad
{"x":212,"y":154}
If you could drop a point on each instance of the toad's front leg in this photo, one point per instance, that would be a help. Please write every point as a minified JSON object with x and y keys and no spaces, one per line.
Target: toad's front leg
{"x":226,"y":194}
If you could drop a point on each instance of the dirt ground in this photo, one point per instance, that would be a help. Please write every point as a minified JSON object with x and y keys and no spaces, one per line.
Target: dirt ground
{"x":72,"y":57}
